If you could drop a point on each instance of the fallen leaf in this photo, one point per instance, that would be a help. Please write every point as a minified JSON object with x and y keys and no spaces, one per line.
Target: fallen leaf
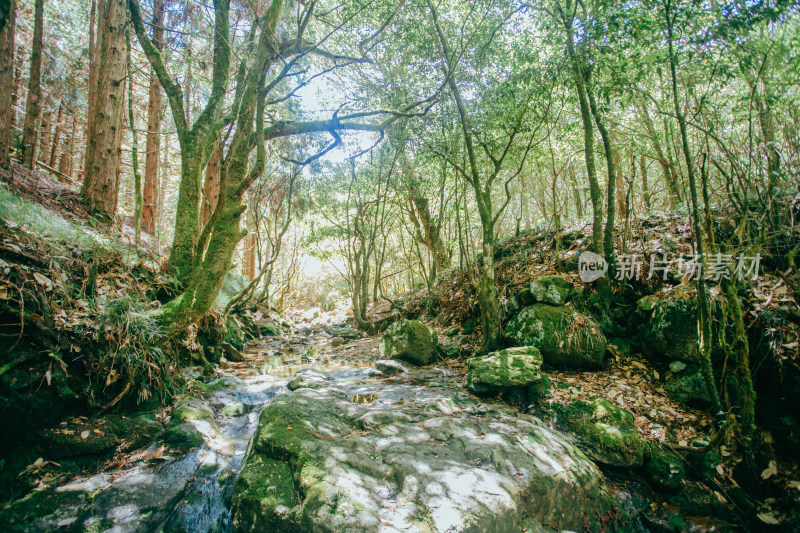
{"x":770,"y":471}
{"x":85,"y":434}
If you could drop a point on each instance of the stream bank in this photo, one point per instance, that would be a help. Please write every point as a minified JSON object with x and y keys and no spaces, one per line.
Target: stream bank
{"x":354,"y":448}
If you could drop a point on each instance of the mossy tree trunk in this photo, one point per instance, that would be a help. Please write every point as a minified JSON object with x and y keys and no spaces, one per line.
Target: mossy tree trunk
{"x":703,"y":304}
{"x":196,"y":140}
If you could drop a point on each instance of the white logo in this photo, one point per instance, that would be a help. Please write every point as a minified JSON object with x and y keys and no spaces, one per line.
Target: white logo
{"x":591,"y":266}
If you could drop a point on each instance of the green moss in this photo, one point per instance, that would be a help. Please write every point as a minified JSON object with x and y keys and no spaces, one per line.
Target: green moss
{"x":607,"y":431}
{"x":553,"y":290}
{"x":665,"y":469}
{"x":39,"y":504}
{"x":565,"y":337}
{"x":514,"y":367}
{"x":188,"y":411}
{"x":183,"y":436}
{"x":409,"y":340}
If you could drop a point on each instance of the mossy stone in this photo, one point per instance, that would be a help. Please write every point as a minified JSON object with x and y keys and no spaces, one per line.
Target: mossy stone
{"x":671,"y":331}
{"x":553,"y":290}
{"x":665,"y":469}
{"x":183,"y":436}
{"x":504,"y":369}
{"x":606,"y":431}
{"x":411,"y":341}
{"x":565,"y":337}
{"x":269,"y":329}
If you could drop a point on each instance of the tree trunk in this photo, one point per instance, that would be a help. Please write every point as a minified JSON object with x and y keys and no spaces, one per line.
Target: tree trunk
{"x":645,"y":186}
{"x":45,"y":132}
{"x":92,"y":82}
{"x":211,"y":186}
{"x":595,"y":192}
{"x":57,"y":136}
{"x":608,"y":239}
{"x":104,"y":135}
{"x":151,"y":177}
{"x":7,"y":80}
{"x":703,"y":306}
{"x":33,"y":107}
{"x":669,"y":177}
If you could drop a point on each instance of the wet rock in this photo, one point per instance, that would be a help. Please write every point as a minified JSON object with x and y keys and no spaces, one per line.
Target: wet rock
{"x":337,"y":341}
{"x":309,"y":378}
{"x":183,"y":436}
{"x":231,"y":353}
{"x":411,"y":341}
{"x":437,"y":461}
{"x":344,"y":331}
{"x":565,"y":337}
{"x":553,"y":290}
{"x":684,"y":383}
{"x":504,"y":370}
{"x":190,"y":410}
{"x":387,"y":367}
{"x":607,"y":432}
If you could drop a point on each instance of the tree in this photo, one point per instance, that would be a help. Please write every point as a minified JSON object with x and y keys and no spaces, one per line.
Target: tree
{"x":151,"y":173}
{"x":33,"y":107}
{"x":7,"y":80}
{"x":104,"y":134}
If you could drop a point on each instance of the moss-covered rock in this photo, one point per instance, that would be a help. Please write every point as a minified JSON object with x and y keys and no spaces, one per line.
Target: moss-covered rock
{"x":684,"y":383}
{"x":411,"y":341}
{"x":269,"y":329}
{"x":183,"y":436}
{"x":553,"y":290}
{"x":191,"y":410}
{"x":665,"y":469}
{"x":505,"y":369}
{"x":565,"y":337}
{"x":320,"y":462}
{"x":607,"y":432}
{"x":671,"y":331}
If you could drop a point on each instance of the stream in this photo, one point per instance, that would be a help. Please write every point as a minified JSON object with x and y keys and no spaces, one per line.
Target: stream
{"x":168,"y":491}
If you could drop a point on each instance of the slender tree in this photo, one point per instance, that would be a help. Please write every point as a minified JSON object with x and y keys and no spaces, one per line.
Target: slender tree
{"x":151,"y":171}
{"x":33,"y":107}
{"x":7,"y":80}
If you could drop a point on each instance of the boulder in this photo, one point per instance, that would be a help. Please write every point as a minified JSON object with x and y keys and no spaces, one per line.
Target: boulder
{"x":553,"y":290}
{"x":344,"y":331}
{"x":231,"y":353}
{"x":337,"y":341}
{"x":504,"y":370}
{"x":671,"y":331}
{"x":411,"y":341}
{"x":565,"y":337}
{"x":387,"y":367}
{"x":684,"y":383}
{"x":665,"y":469}
{"x":308,"y":378}
{"x":606,"y":431}
{"x":439,"y":461}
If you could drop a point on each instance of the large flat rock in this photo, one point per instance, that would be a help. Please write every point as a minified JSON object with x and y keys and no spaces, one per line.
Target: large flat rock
{"x":398,"y":457}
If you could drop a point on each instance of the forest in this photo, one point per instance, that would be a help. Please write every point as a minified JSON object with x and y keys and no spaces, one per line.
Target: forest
{"x":399,"y":265}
